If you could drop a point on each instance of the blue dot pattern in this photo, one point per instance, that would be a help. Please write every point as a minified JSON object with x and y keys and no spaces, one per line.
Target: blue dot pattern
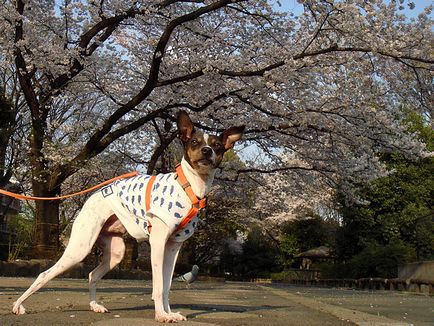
{"x":169,"y":203}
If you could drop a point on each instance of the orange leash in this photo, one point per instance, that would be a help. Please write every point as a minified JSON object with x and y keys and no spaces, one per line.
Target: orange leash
{"x":23,"y":197}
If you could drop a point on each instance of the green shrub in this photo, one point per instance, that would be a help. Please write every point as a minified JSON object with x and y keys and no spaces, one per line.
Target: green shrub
{"x":376,"y":260}
{"x":20,"y":239}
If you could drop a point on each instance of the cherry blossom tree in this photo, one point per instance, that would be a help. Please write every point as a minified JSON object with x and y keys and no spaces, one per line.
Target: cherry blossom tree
{"x":319,"y":92}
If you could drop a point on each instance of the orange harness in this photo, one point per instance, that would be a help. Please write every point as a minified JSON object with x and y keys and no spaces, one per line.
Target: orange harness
{"x":196,"y":203}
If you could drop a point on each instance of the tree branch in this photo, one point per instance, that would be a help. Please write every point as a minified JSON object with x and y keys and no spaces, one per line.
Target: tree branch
{"x":103,"y":137}
{"x":331,"y":49}
{"x":109,"y":25}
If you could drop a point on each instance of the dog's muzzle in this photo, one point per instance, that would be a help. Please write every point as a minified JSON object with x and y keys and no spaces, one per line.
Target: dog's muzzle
{"x":208,"y":156}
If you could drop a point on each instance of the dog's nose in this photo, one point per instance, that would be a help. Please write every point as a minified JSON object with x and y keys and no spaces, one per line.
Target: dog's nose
{"x":206,"y":151}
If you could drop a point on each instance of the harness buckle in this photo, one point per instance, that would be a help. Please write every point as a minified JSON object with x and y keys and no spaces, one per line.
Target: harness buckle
{"x":185,"y":185}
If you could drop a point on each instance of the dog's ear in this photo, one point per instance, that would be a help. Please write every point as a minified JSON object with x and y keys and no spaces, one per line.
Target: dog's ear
{"x":185,"y":126}
{"x":231,"y":135}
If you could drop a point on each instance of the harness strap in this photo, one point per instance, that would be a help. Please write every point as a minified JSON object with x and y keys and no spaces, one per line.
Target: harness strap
{"x":23,"y":197}
{"x":186,"y":185}
{"x":148,"y":199}
{"x":196,"y":203}
{"x":148,"y":192}
{"x":190,"y":215}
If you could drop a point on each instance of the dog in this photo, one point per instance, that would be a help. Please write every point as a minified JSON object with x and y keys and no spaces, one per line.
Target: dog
{"x":162,"y":209}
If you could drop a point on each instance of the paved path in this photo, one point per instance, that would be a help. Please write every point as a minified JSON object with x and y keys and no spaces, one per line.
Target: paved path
{"x":65,"y":302}
{"x":411,"y":308}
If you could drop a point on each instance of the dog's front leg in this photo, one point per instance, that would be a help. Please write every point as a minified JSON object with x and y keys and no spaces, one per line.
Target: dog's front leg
{"x":158,"y":240}
{"x":170,"y":255}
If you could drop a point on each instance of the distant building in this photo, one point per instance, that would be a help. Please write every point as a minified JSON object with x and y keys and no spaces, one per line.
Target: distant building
{"x":310,"y":256}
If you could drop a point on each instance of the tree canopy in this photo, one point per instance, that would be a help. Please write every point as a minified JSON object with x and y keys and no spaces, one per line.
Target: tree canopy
{"x":318,"y":91}
{"x":397,"y":209}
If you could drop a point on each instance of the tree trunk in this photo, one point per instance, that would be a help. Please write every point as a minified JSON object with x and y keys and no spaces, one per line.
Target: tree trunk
{"x":46,"y":229}
{"x":131,"y":254}
{"x":7,"y":122}
{"x":46,"y":223}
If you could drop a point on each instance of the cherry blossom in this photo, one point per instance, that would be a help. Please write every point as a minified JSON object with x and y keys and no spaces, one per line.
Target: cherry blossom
{"x":320,"y":92}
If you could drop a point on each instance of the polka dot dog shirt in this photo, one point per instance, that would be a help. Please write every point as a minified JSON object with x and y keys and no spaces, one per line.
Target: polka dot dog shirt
{"x":168,"y":202}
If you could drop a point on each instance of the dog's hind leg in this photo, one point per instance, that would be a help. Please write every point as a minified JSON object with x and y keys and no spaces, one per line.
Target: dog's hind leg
{"x":85,"y":231}
{"x":113,"y":248}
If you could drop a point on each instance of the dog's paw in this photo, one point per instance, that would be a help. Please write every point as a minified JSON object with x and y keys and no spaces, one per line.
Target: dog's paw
{"x":18,"y":309}
{"x":169,"y":318}
{"x":97,"y":307}
{"x":178,"y":316}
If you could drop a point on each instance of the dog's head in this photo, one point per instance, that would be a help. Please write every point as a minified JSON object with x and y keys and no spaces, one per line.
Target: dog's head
{"x":202,"y":151}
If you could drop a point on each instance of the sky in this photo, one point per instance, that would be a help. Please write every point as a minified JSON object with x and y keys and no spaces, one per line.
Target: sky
{"x":296,"y":8}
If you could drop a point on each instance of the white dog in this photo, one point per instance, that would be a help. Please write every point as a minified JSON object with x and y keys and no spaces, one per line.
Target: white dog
{"x":160,"y":208}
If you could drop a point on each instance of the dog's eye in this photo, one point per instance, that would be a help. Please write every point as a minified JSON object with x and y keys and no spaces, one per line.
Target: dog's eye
{"x":194,"y":142}
{"x":218,"y":145}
